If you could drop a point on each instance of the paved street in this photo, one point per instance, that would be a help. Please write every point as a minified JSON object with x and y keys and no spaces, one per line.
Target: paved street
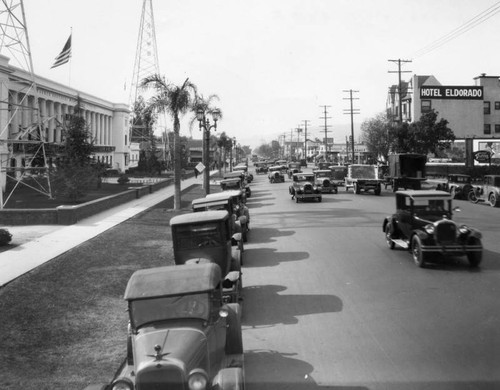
{"x":329,"y":305}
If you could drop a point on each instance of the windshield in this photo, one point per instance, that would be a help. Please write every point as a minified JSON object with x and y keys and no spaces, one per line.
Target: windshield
{"x":145,"y":311}
{"x":430,"y":207}
{"x":198,"y":236}
{"x":323,"y":174}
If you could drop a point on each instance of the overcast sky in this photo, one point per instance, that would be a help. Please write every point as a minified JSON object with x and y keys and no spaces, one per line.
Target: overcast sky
{"x":273,"y":63}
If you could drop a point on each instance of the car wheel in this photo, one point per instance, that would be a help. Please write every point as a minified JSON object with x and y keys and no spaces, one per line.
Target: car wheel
{"x":378,"y":190}
{"x":356,"y":188}
{"x":335,"y":191}
{"x":320,"y":199}
{"x":473,"y":256}
{"x":493,"y":200}
{"x":296,"y":199}
{"x":388,"y":235}
{"x":416,"y":251}
{"x":472,"y":196}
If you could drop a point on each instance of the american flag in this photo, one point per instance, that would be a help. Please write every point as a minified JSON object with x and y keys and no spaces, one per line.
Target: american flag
{"x":64,"y":55}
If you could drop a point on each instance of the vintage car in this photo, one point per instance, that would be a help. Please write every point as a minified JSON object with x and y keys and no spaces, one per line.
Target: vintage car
{"x":276,"y":174}
{"x":303,"y":188}
{"x":261,"y":168}
{"x":234,"y":180}
{"x":339,"y":172}
{"x":293,"y":167}
{"x":244,"y":168}
{"x":231,"y":201}
{"x":488,"y":192}
{"x":423,"y":224}
{"x":323,"y":179}
{"x":208,"y":237}
{"x":322,"y":165}
{"x":457,"y":185}
{"x":182,"y":335}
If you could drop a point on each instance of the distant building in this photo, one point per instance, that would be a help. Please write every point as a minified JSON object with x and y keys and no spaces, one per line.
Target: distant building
{"x":473,"y":111}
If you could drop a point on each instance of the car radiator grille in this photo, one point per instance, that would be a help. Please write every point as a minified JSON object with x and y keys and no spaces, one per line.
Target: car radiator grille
{"x":160,"y":379}
{"x":446,"y":232}
{"x":308,"y":189}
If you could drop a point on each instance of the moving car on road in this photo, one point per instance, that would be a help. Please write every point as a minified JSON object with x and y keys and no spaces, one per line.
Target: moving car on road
{"x":276,"y":174}
{"x":323,"y":179}
{"x":303,"y":188}
{"x":422,"y":224}
{"x":488,"y":192}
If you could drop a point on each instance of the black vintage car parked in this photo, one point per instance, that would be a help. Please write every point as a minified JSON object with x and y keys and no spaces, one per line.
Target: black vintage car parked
{"x":182,"y":335}
{"x":422,"y":224}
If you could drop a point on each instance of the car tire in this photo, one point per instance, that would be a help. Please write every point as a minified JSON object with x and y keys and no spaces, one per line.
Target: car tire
{"x":234,"y":339}
{"x":335,"y":191}
{"x":378,"y":190}
{"x":320,"y":199}
{"x":416,"y":252}
{"x":472,"y":197}
{"x":296,"y":199}
{"x":474,"y":257}
{"x":356,"y":188}
{"x":493,"y":200}
{"x":388,"y":238}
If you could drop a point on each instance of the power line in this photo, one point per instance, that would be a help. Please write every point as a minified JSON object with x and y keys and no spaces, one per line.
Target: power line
{"x":475,"y":21}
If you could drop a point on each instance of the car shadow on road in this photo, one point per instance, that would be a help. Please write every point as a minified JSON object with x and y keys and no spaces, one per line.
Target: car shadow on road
{"x":270,"y":308}
{"x":266,"y":235}
{"x":276,"y":370}
{"x":270,"y":257}
{"x":461,"y":264}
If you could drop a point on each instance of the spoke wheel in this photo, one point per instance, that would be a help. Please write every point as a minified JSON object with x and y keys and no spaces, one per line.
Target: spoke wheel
{"x":416,"y":251}
{"x":493,"y":200}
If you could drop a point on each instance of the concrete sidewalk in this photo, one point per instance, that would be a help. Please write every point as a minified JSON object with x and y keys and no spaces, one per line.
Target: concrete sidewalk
{"x":40,"y":243}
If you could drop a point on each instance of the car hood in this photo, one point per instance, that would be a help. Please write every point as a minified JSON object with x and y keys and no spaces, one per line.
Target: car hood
{"x":184,"y":348}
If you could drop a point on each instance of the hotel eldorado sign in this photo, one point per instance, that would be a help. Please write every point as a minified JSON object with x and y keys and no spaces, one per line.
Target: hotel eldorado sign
{"x":451,"y":92}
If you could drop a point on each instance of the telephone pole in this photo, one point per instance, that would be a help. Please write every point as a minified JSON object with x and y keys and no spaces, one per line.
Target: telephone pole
{"x":351,"y":111}
{"x":400,"y":92}
{"x":326,"y":126}
{"x":306,"y":122}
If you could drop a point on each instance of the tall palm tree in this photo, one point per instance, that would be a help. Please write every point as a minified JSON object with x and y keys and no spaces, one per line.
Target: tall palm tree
{"x":176,"y":101}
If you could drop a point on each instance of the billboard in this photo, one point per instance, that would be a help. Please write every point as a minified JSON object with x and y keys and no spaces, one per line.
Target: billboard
{"x":451,"y":92}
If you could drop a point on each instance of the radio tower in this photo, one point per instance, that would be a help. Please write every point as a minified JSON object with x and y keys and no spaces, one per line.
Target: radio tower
{"x":146,"y":64}
{"x":14,"y":42}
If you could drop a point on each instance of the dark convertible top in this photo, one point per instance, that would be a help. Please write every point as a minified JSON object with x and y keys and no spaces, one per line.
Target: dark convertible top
{"x":173,"y":280}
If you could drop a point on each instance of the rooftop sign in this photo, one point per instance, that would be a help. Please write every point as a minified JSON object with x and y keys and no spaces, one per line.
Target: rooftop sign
{"x":451,"y":92}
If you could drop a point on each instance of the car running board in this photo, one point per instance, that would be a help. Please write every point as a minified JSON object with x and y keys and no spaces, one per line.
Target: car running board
{"x":401,"y":243}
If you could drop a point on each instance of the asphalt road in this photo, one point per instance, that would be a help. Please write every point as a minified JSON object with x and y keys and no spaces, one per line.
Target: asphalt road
{"x":329,"y":305}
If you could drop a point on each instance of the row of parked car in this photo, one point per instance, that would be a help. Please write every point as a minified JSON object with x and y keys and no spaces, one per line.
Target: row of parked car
{"x":185,"y":320}
{"x":462,"y":187}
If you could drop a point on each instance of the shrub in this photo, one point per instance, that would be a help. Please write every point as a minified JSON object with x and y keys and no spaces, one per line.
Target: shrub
{"x":123,"y":179}
{"x":5,"y":237}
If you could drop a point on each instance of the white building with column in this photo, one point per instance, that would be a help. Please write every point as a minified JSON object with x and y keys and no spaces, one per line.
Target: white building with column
{"x":108,"y":122}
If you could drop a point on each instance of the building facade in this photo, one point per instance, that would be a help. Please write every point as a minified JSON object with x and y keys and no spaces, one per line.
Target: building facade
{"x":473,"y":111}
{"x":108,"y":122}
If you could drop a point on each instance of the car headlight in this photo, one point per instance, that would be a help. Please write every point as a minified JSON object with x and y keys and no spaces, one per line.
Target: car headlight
{"x":429,"y":229}
{"x":197,"y":380}
{"x":122,"y":384}
{"x":463,"y":229}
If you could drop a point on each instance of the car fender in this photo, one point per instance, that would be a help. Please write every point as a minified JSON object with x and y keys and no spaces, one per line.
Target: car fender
{"x":475,"y":234}
{"x":229,"y":378}
{"x":243,"y":220}
{"x":386,"y":221}
{"x":421,"y":234}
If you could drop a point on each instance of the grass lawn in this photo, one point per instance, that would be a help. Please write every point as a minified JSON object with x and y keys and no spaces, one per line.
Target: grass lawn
{"x":64,"y":324}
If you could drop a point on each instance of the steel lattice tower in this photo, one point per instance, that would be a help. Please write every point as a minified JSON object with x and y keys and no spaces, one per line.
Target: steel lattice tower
{"x":14,"y":42}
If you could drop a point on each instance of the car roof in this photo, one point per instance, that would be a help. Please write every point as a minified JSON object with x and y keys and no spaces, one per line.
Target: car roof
{"x":224,"y":194}
{"x":427,"y":194}
{"x":203,"y":202}
{"x":202,"y":216}
{"x":303,"y":174}
{"x":232,"y":180}
{"x":173,"y":280}
{"x":322,"y":170}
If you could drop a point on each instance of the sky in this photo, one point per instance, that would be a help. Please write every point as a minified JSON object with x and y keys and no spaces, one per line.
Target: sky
{"x":272,"y":63}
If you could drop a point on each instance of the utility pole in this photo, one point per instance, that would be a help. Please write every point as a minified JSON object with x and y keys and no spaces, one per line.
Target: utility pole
{"x":306,"y":122}
{"x":400,"y":92}
{"x":299,"y":130}
{"x":326,"y":117}
{"x":351,"y":111}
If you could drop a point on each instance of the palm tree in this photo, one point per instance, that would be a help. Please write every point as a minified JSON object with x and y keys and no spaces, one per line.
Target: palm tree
{"x":176,"y":101}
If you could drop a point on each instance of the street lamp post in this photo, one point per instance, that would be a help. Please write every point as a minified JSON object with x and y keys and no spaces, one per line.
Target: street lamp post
{"x":233,"y":143}
{"x":205,"y":125}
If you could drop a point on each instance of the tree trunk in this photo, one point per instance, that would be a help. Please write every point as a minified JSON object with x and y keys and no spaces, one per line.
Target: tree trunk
{"x":177,"y":165}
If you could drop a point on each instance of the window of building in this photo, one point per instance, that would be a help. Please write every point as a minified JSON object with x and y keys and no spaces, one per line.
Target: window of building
{"x":497,"y":129}
{"x":487,"y":108}
{"x":425,"y":105}
{"x":497,"y":105}
{"x":487,"y":128}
